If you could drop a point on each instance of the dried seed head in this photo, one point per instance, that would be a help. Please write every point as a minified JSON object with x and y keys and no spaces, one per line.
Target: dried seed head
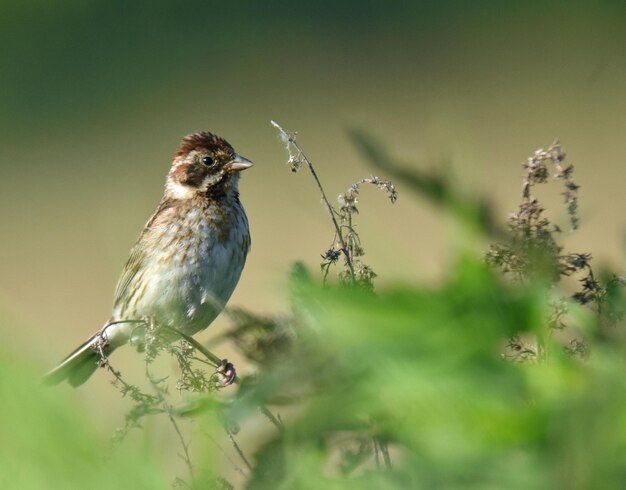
{"x":295,"y":159}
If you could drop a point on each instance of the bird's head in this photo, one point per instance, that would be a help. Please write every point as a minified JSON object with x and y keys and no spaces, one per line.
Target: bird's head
{"x":204,"y":164}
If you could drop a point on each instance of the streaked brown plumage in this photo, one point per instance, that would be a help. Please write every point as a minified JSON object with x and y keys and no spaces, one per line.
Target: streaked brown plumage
{"x":187,"y":260}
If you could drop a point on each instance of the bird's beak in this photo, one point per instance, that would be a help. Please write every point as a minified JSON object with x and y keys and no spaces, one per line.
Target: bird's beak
{"x":238,"y":164}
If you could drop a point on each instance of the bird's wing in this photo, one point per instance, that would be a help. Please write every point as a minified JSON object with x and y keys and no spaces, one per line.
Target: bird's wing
{"x":140,"y":250}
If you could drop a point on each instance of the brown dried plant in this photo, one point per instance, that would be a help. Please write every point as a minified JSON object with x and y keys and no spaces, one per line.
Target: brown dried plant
{"x":534,"y":253}
{"x":346,"y":242}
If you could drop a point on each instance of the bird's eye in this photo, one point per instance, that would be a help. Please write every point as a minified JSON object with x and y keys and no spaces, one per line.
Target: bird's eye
{"x":208,"y":161}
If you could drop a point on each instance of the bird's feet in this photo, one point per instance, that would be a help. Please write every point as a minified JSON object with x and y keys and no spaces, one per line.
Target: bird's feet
{"x":225,"y":374}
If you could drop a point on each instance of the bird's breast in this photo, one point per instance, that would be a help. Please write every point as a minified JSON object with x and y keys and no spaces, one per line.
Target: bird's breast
{"x":196,"y":263}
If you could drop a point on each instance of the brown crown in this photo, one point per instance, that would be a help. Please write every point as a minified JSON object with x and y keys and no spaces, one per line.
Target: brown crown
{"x":203,"y":140}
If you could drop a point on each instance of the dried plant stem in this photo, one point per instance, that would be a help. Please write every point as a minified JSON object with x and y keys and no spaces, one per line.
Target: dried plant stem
{"x":384,"y":450}
{"x":376,"y":453}
{"x":278,"y":423}
{"x":239,"y":451}
{"x":226,"y":455}
{"x":169,"y":410}
{"x":331,"y":211}
{"x":296,"y":160}
{"x":185,"y":457}
{"x":215,"y":361}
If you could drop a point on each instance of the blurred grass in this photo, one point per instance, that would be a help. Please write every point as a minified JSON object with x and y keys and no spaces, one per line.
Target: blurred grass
{"x":420,"y":369}
{"x":416,"y":367}
{"x":50,"y":442}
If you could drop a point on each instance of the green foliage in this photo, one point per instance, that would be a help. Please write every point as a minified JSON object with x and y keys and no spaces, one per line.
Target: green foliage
{"x":413,"y":387}
{"x":421,"y":370}
{"x":48,"y":442}
{"x":416,"y":369}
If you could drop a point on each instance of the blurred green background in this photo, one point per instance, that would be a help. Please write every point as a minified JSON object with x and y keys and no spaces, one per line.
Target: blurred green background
{"x":95,"y":97}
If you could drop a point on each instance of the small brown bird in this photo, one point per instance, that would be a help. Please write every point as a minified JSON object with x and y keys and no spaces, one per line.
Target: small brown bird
{"x":187,"y":260}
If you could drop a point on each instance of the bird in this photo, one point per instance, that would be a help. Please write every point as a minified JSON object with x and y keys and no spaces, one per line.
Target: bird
{"x":186,"y":262}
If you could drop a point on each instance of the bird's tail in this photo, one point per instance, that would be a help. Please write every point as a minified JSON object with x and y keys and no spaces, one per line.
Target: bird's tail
{"x":80,"y":364}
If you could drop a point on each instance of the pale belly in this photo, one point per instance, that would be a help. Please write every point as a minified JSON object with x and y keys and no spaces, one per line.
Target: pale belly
{"x":190,"y":295}
{"x":185,"y":287}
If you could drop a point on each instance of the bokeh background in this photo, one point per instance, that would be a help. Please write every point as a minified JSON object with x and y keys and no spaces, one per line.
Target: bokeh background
{"x":95,"y":97}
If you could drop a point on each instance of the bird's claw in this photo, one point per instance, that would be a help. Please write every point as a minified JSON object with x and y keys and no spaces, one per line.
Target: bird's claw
{"x":225,"y":374}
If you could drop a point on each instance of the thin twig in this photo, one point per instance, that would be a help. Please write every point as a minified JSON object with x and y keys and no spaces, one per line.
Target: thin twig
{"x":278,"y":423}
{"x":384,"y":449}
{"x":237,"y":468}
{"x":239,"y":451}
{"x":170,"y":411}
{"x":331,"y":211}
{"x":185,"y":457}
{"x":217,"y":362}
{"x":376,"y":455}
{"x":344,"y":247}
